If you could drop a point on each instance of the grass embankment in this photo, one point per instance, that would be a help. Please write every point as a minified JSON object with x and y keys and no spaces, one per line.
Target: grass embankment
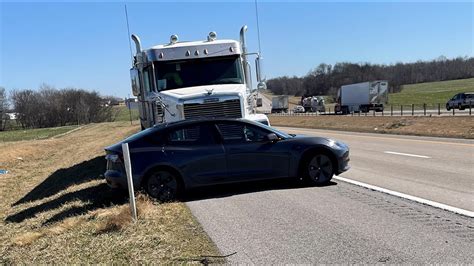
{"x":56,"y":208}
{"x":431,"y":92}
{"x":122,"y":113}
{"x":455,"y":127}
{"x":34,"y":134}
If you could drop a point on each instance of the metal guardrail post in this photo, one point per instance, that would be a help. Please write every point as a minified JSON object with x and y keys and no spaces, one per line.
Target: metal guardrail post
{"x":391,"y":110}
{"x":453,"y":111}
{"x":424,"y":109}
{"x":412,"y":109}
{"x":401,"y":110}
{"x":470,"y":104}
{"x":439,"y":109}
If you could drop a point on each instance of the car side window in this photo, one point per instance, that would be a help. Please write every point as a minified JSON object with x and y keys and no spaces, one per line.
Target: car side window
{"x":241,"y":133}
{"x":190,"y":135}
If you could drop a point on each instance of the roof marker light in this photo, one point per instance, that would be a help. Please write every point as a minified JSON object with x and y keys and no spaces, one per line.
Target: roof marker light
{"x":160,"y":56}
{"x":196,"y":53}
{"x":205,"y":51}
{"x":174,"y":39}
{"x":188,"y":53}
{"x":212,"y":36}
{"x":231,"y":49}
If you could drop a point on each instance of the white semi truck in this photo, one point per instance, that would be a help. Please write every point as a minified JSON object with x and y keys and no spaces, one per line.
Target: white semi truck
{"x":186,"y":80}
{"x":280,"y":104}
{"x":362,"y":97}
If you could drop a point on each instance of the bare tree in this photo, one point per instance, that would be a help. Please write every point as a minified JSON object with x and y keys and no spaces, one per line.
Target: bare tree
{"x":3,"y":108}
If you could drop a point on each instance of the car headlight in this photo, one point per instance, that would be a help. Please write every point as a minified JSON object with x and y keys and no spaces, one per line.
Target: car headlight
{"x":338,"y":145}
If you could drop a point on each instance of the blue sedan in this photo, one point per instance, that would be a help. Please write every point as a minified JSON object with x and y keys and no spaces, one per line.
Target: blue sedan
{"x":170,"y":158}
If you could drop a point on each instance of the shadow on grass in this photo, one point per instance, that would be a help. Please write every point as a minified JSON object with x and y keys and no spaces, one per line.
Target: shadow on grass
{"x":66,"y":177}
{"x":90,"y":198}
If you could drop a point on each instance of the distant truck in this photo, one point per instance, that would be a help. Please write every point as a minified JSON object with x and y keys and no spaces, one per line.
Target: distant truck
{"x":362,"y":97}
{"x":280,"y":104}
{"x":313,"y":104}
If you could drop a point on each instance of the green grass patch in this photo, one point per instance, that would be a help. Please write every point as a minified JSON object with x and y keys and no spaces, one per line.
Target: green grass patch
{"x":30,"y":134}
{"x":122,"y":113}
{"x":431,"y":92}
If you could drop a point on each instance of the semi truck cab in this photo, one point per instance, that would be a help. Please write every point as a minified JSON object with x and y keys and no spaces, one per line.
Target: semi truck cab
{"x":185,"y":80}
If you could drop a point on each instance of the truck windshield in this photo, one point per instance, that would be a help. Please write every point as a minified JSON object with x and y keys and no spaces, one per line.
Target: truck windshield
{"x":180,"y":74}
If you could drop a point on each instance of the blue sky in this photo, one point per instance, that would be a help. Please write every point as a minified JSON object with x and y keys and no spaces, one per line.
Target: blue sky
{"x":85,"y":45}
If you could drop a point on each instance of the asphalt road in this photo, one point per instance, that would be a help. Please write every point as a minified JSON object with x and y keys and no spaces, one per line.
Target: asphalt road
{"x":437,"y":169}
{"x":282,"y":222}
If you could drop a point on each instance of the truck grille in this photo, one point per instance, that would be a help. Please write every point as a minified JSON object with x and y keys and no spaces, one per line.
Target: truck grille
{"x":228,"y":108}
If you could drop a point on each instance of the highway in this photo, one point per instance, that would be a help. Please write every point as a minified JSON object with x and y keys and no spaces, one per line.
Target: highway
{"x":438,"y":169}
{"x":285,"y":222}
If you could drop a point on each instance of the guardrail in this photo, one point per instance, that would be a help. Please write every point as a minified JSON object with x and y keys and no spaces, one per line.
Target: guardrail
{"x":396,"y":110}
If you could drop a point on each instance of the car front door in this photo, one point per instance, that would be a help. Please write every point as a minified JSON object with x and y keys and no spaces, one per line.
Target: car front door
{"x":249,"y":155}
{"x":197,"y":153}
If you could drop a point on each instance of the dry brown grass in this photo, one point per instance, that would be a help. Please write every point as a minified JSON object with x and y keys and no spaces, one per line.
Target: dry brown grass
{"x":56,"y":208}
{"x":455,"y":127}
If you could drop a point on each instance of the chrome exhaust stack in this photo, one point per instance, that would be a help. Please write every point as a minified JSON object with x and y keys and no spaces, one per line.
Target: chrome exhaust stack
{"x":138,"y":44}
{"x":242,"y":39}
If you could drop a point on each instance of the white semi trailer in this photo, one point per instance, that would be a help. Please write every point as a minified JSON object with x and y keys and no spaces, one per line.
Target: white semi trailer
{"x":186,"y":80}
{"x":362,"y":97}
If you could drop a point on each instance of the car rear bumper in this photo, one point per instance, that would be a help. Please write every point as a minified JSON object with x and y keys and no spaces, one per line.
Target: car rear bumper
{"x":115,"y":179}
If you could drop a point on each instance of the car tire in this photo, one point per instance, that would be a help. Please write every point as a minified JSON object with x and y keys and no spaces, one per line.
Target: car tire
{"x":319,"y":169}
{"x":163,"y":186}
{"x":448,"y":107}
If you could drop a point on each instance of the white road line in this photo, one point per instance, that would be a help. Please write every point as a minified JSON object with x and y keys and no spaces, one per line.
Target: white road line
{"x":408,"y":197}
{"x":407,"y":154}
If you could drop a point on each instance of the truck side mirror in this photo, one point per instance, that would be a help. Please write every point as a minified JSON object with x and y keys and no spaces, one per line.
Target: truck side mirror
{"x":258,"y":68}
{"x":135,"y":80}
{"x":261,"y":85}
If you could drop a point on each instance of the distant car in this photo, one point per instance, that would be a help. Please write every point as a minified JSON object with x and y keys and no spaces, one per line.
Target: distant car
{"x":298,"y":109}
{"x":461,"y":101}
{"x":169,"y":158}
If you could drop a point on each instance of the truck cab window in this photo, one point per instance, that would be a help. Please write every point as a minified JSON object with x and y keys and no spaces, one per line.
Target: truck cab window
{"x":199,"y":72}
{"x":146,"y":80}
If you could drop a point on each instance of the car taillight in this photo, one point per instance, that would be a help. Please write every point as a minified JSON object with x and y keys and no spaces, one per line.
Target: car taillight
{"x":115,"y":158}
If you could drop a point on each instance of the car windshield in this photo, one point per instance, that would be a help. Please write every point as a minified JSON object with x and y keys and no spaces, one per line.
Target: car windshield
{"x":198,"y":72}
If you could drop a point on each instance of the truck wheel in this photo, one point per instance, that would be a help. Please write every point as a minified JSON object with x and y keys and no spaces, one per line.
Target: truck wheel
{"x":319,"y":169}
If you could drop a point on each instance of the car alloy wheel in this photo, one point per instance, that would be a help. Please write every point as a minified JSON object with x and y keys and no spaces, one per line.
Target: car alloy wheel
{"x":320,"y":169}
{"x":162,"y":185}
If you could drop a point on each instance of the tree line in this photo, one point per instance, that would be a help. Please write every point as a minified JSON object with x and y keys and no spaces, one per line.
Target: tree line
{"x":50,"y":107}
{"x":326,"y":79}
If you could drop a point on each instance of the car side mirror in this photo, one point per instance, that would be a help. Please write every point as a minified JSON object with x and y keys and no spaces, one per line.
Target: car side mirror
{"x":271,"y":137}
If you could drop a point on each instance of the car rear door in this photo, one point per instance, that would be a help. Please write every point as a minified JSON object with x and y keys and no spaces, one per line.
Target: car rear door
{"x":195,"y":151}
{"x":249,"y":156}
